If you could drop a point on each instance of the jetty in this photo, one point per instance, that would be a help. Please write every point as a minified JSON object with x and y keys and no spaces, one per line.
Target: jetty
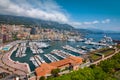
{"x":70,"y":48}
{"x":51,"y":57}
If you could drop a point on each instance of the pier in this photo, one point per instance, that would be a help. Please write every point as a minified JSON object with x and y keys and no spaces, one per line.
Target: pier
{"x":61,"y":53}
{"x":66,"y":53}
{"x":34,"y":48}
{"x":51,"y":57}
{"x":23,"y":44}
{"x":67,"y":47}
{"x":40,"y":59}
{"x":21,"y":52}
{"x":37,"y":60}
{"x":34,"y":61}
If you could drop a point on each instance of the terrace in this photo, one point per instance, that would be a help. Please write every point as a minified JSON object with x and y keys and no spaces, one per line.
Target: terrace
{"x":107,"y":52}
{"x":94,"y":56}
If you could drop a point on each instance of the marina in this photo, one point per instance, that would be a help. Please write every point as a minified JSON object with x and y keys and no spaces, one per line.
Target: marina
{"x":34,"y":61}
{"x":61,"y":53}
{"x":57,"y":52}
{"x":56,"y":49}
{"x":21,"y":52}
{"x":38,"y":44}
{"x":95,"y":43}
{"x":51,"y":57}
{"x":66,"y":53}
{"x":35,"y":49}
{"x":40,"y":59}
{"x":40,"y":51}
{"x":59,"y":40}
{"x":67,"y":47}
{"x":37,"y":60}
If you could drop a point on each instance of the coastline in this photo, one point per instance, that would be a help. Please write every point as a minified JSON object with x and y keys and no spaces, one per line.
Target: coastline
{"x":19,"y":68}
{"x":19,"y":62}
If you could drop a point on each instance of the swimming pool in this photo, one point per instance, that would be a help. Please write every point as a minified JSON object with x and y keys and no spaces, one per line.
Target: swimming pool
{"x":6,"y":48}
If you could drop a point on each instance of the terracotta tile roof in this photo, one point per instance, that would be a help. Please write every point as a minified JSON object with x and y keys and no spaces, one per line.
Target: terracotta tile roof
{"x":46,"y":68}
{"x":71,"y":59}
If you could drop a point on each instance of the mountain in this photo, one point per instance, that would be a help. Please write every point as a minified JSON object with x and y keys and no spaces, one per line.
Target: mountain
{"x":90,"y":31}
{"x":95,"y":31}
{"x":8,"y":19}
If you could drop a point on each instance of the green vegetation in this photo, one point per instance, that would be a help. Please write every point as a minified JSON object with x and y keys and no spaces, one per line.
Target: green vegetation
{"x":95,"y":57}
{"x":14,"y":36}
{"x":107,"y":52}
{"x":29,"y":22}
{"x":118,"y":46}
{"x":42,"y":78}
{"x":55,"y":72}
{"x":106,"y":70}
{"x":3,"y":75}
{"x":111,"y":65}
{"x":117,"y":74}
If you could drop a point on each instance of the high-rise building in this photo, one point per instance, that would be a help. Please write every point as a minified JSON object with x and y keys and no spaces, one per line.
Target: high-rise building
{"x":1,"y":38}
{"x":33,"y":31}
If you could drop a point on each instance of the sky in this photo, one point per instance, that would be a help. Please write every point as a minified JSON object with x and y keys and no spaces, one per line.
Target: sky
{"x":87,"y":14}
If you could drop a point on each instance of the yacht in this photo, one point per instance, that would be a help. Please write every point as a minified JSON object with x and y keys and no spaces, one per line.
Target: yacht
{"x":40,"y":51}
{"x":71,"y":40}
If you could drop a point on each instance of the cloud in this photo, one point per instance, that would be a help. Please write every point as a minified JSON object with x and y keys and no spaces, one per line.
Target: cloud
{"x":41,"y":9}
{"x":89,"y":24}
{"x":92,"y":22}
{"x":95,"y":22}
{"x":106,"y":21}
{"x":75,"y":23}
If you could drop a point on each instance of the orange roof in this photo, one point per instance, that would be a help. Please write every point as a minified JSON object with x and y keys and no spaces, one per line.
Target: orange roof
{"x":70,"y":59}
{"x":44,"y":69}
{"x":77,"y":60}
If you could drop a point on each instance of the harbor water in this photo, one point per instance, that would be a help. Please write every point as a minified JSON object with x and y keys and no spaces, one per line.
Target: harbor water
{"x":58,"y":45}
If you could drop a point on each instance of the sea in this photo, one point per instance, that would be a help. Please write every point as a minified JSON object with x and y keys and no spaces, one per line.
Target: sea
{"x":58,"y":45}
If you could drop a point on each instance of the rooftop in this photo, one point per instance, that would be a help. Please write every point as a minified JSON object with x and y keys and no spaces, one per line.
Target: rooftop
{"x":70,"y":60}
{"x":46,"y":68}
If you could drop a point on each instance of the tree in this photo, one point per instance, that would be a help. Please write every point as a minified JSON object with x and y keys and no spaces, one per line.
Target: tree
{"x":55,"y":72}
{"x":42,"y":78}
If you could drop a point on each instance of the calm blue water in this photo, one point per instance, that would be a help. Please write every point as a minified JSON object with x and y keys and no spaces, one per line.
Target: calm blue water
{"x":97,"y":37}
{"x":58,"y":45}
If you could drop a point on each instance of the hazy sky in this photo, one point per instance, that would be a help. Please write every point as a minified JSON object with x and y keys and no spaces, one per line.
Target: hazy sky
{"x":97,"y":14}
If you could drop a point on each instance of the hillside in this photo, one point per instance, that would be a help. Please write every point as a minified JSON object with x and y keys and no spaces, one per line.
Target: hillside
{"x":8,"y":19}
{"x":103,"y":71}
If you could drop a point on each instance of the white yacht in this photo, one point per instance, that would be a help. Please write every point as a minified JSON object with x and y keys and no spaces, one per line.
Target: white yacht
{"x":71,"y":40}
